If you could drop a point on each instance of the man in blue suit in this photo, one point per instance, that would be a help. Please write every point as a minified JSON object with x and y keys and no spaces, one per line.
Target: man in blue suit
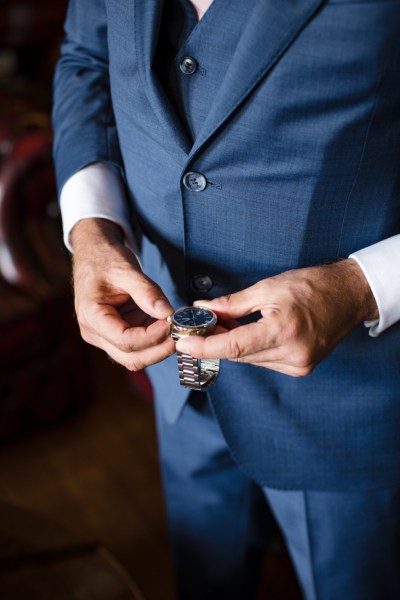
{"x":247,"y":154}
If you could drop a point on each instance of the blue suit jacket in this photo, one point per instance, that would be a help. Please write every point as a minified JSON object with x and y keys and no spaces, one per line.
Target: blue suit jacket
{"x":300,"y":147}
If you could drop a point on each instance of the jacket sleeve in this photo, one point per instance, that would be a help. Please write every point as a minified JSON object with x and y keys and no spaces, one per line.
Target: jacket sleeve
{"x":83,"y":118}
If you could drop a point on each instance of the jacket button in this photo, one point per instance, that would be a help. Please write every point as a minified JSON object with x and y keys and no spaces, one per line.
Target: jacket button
{"x":188,"y":65}
{"x":194,"y":182}
{"x":201,"y":283}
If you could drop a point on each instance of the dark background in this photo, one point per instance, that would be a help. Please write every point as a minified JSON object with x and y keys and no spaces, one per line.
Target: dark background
{"x":81,"y":512}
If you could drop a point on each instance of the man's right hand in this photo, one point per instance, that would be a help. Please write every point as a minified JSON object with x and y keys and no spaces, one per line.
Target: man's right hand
{"x":118,"y":308}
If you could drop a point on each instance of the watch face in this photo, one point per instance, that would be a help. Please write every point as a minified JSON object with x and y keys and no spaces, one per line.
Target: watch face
{"x":194,"y":316}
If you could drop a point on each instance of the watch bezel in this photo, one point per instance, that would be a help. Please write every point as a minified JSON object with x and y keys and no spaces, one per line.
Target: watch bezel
{"x":178,"y":328}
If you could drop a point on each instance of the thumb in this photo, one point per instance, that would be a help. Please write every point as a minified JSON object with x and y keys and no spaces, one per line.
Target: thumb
{"x":234,"y":306}
{"x":148,"y":296}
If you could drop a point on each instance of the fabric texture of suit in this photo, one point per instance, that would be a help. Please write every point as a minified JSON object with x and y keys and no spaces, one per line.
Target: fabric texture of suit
{"x":299,"y":146}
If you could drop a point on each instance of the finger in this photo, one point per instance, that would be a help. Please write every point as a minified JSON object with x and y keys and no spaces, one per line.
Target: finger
{"x":291,"y":355}
{"x":273,"y":355}
{"x":135,"y":317}
{"x":287,"y":369}
{"x":145,"y":293}
{"x":233,"y":344}
{"x":273,"y":359}
{"x":291,"y":358}
{"x":237,"y":305}
{"x":106,"y":324}
{"x":139,"y":360}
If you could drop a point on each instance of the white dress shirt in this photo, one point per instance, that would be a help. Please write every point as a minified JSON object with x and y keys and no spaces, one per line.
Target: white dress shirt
{"x":98,"y":191}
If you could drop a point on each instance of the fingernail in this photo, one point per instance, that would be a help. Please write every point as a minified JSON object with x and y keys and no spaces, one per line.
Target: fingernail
{"x":162,"y":307}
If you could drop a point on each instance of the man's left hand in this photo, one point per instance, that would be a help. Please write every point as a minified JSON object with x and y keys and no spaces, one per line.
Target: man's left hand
{"x":304,"y":315}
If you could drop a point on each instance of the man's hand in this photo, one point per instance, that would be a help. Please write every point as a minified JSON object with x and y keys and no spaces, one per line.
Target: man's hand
{"x":118,"y":308}
{"x":305,"y":314}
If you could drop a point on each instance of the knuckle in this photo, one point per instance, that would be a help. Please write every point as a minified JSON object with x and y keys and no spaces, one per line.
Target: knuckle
{"x":303,"y":371}
{"x":126,"y":345}
{"x":302,"y":361}
{"x":225,"y":301}
{"x":134,"y":365}
{"x":293,"y":329}
{"x":305,"y":359}
{"x":123,"y":346}
{"x":85,"y":333}
{"x":234,"y":350}
{"x":148,"y":286}
{"x":81,"y":322}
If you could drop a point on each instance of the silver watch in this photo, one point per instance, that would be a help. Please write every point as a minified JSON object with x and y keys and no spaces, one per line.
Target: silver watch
{"x":194,"y":373}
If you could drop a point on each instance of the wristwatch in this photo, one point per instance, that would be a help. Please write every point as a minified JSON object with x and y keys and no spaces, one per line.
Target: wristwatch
{"x":194,"y":373}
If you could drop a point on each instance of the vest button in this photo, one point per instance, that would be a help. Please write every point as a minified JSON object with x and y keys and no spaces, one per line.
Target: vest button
{"x":188,"y":65}
{"x":194,"y":182}
{"x":201,"y":283}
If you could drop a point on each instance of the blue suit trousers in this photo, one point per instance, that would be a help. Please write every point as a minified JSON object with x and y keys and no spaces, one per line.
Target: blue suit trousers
{"x":343,"y":545}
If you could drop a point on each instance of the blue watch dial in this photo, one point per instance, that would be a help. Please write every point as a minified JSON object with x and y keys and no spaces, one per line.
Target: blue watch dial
{"x":194,"y":316}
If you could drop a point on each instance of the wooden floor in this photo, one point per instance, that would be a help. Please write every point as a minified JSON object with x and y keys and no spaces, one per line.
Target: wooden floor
{"x":95,"y":478}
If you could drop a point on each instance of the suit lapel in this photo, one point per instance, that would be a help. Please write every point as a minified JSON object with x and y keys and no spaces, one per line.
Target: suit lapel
{"x":271,"y":28}
{"x":148,"y":15}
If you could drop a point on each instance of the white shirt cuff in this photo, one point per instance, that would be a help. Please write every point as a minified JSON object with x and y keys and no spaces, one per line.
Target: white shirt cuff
{"x":380,"y":264}
{"x":95,"y":191}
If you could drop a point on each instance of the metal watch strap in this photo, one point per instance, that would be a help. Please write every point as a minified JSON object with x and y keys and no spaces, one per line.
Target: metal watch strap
{"x":195,"y":373}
